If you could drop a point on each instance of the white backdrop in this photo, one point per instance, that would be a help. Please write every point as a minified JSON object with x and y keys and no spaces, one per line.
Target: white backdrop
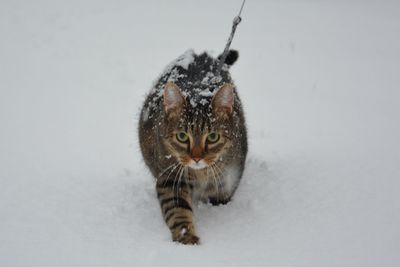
{"x":320,"y":85}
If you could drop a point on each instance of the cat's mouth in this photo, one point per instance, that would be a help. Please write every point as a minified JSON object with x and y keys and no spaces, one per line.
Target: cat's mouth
{"x":197,"y":165}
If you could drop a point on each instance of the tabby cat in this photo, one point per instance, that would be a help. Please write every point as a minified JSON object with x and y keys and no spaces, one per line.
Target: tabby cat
{"x":193,"y":138}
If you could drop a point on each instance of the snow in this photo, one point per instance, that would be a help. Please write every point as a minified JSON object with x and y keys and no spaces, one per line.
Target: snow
{"x":203,"y":102}
{"x":206,"y":93}
{"x":193,"y":103}
{"x":196,"y":89}
{"x":319,"y":84}
{"x":145,"y":114}
{"x":185,"y":60}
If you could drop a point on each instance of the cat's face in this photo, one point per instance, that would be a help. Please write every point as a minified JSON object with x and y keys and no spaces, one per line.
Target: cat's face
{"x":198,"y":141}
{"x":198,"y":150}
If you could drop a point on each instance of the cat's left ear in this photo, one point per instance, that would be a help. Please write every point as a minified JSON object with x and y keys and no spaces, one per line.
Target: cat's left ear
{"x":173,"y":98}
{"x":223,"y":99}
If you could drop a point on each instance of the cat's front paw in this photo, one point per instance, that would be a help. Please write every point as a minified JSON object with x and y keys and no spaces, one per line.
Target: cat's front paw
{"x":186,"y":237}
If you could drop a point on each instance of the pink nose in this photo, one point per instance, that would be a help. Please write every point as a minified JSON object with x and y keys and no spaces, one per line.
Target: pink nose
{"x":196,"y":153}
{"x":196,"y":159}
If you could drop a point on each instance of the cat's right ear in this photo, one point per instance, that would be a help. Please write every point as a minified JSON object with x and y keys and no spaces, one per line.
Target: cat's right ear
{"x":173,"y":98}
{"x":222,"y":101}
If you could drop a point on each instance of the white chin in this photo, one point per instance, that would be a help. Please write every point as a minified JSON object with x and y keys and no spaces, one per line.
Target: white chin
{"x":197,"y":165}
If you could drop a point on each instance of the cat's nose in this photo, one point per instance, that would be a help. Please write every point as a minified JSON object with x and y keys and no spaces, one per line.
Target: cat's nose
{"x":196,"y":159}
{"x":196,"y":153}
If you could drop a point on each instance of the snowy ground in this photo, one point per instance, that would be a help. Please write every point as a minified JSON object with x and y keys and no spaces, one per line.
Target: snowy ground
{"x":320,"y":85}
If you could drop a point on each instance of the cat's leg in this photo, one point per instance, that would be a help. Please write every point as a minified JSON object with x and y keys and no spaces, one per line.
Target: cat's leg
{"x":225,"y":189}
{"x":176,"y":205}
{"x":219,"y":200}
{"x":219,"y":196}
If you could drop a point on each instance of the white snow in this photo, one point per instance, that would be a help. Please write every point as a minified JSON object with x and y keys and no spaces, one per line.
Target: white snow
{"x":183,"y":61}
{"x":145,"y":114}
{"x":203,"y":101}
{"x":183,"y":231}
{"x":319,"y":81}
{"x":193,"y":103}
{"x":206,"y":93}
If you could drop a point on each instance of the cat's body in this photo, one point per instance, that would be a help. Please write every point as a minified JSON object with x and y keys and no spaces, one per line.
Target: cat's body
{"x":193,"y":138}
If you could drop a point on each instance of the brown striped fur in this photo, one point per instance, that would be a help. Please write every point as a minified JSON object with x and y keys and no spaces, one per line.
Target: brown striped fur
{"x":195,"y":151}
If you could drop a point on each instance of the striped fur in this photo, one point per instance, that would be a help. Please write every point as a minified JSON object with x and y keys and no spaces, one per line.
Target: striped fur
{"x":195,"y":151}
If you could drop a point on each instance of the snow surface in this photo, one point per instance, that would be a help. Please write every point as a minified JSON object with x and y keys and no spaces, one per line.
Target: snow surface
{"x":183,"y":60}
{"x":319,"y":81}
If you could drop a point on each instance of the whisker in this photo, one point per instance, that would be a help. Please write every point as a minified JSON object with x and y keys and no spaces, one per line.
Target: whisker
{"x":178,"y":187}
{"x":220,"y":176}
{"x":175,"y":185}
{"x":214,"y":179}
{"x":169,"y":174}
{"x":166,"y":169}
{"x":180,"y":177}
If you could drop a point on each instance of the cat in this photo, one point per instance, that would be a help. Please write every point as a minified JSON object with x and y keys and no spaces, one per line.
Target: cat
{"x":193,"y":138}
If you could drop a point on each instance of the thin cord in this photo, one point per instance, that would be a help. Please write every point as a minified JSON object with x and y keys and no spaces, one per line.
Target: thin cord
{"x":236,"y":22}
{"x":241,"y":8}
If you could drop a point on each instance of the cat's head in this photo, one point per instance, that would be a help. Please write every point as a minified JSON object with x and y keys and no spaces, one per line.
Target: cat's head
{"x":198,"y":136}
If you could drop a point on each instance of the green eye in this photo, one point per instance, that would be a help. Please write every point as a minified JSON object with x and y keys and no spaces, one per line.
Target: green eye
{"x":182,"y":137}
{"x":213,"y":137}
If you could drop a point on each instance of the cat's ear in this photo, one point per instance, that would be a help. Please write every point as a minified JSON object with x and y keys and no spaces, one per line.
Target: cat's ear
{"x":173,"y":98}
{"x":222,"y":101}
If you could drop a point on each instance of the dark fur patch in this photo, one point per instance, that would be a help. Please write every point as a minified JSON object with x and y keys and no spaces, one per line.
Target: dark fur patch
{"x":231,"y":58}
